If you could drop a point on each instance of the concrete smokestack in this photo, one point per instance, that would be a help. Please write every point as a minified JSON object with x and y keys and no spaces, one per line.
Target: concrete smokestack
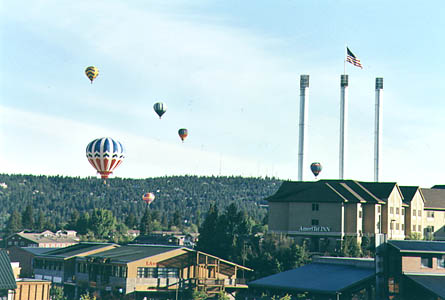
{"x":344,"y":82}
{"x":304,"y":93}
{"x":378,"y":126}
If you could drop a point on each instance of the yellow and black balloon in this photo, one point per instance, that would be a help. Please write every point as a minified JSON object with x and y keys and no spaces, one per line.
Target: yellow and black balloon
{"x":92,"y":72}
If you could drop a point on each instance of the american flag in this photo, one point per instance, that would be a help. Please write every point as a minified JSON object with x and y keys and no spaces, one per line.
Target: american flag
{"x":350,"y":58}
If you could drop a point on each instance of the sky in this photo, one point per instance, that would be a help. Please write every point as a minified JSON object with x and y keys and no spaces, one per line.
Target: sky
{"x":229,"y":72}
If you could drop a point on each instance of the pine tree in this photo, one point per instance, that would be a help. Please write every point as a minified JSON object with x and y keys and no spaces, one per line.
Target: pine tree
{"x":145,"y":226}
{"x":14,"y":223}
{"x":131,"y":221}
{"x":28,"y":218}
{"x":40,"y":224}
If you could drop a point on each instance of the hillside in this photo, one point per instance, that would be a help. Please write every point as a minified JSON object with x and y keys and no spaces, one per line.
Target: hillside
{"x":58,"y":197}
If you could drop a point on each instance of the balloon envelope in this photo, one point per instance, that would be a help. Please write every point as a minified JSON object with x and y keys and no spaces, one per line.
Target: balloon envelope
{"x":183,"y":133}
{"x":160,"y":108}
{"x":92,"y":72}
{"x":148,"y":197}
{"x":105,"y":155}
{"x":316,"y":168}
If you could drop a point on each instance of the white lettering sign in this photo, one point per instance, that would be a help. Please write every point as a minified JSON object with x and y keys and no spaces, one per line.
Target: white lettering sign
{"x":315,"y":229}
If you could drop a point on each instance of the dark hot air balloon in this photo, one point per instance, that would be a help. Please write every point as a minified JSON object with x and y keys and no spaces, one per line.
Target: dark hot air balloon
{"x":148,"y":198}
{"x":105,"y":155}
{"x":316,"y":168}
{"x":92,"y":72}
{"x":160,"y":108}
{"x":183,"y":133}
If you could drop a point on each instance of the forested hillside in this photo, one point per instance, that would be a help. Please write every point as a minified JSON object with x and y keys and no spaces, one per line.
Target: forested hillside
{"x":58,"y":197}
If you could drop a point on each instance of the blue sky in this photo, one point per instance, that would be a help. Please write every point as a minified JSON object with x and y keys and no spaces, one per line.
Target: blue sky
{"x":229,"y":72}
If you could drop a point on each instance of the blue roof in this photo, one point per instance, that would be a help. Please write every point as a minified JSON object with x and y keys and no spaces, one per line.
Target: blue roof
{"x":316,"y":277}
{"x":418,"y":246}
{"x":435,"y":284}
{"x":37,"y":250}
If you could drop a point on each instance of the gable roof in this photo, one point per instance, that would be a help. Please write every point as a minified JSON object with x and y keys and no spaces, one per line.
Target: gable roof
{"x":316,"y":277}
{"x":418,"y":246}
{"x":46,"y":237}
{"x":409,"y":192}
{"x":434,"y":198}
{"x":333,"y":191}
{"x":434,"y":284}
{"x":7,"y":279}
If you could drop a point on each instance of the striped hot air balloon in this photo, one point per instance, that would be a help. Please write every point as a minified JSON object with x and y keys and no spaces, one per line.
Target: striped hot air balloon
{"x":105,"y":155}
{"x":148,"y":198}
{"x":316,"y":168}
{"x":183,"y":133}
{"x":92,"y":72}
{"x":160,"y":108}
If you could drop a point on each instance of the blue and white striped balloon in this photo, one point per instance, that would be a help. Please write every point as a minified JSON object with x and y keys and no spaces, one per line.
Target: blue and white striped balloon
{"x":105,"y":155}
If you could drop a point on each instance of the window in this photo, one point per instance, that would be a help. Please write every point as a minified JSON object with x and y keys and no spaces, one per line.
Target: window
{"x":397,"y":226}
{"x":441,"y":262}
{"x":360,"y":214}
{"x":414,"y":227}
{"x":147,"y":272}
{"x":403,"y":211}
{"x":419,"y":213}
{"x":414,"y":212}
{"x":426,"y":262}
{"x":420,"y":228}
{"x":397,"y":210}
{"x":379,"y":209}
{"x":430,"y":214}
{"x":391,"y":210}
{"x":314,"y":222}
{"x":391,"y":225}
{"x":403,"y":226}
{"x":315,"y":207}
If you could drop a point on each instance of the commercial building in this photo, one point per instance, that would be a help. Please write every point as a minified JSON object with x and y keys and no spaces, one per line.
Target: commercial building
{"x":323,"y":212}
{"x":153,"y":271}
{"x":25,"y":258}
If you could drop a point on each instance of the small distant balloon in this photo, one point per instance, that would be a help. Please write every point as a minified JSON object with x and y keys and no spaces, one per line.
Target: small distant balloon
{"x":160,"y":108}
{"x":316,"y":168}
{"x":148,"y":198}
{"x":105,"y":155}
{"x":183,"y":133}
{"x":92,"y":72}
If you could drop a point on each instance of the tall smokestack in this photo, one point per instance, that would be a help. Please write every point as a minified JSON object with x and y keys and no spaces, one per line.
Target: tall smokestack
{"x":378,"y":126}
{"x":344,"y":81}
{"x":304,"y":93}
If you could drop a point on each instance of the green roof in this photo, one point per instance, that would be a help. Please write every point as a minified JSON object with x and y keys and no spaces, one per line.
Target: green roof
{"x":75,"y":250}
{"x":332,"y":191}
{"x":7,"y":280}
{"x":125,"y":254}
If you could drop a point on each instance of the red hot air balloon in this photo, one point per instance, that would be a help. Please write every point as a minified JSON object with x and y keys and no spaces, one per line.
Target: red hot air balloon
{"x":183,"y":133}
{"x":316,"y":168}
{"x":148,"y":198}
{"x":105,"y":155}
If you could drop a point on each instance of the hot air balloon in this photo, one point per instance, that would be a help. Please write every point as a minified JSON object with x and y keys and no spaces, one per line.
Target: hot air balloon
{"x":105,"y":155}
{"x":92,"y":73}
{"x":160,"y":108}
{"x":148,"y":198}
{"x":183,"y":133}
{"x":316,"y":168}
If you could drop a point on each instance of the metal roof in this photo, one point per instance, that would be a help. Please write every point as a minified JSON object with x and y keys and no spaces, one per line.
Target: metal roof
{"x":7,"y":279}
{"x":36,"y":250}
{"x":316,"y":277}
{"x":74,"y":250}
{"x":131,"y":253}
{"x":418,"y":246}
{"x":435,"y":284}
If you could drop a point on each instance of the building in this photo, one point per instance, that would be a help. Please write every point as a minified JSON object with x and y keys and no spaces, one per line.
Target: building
{"x":153,"y":271}
{"x":414,"y":270}
{"x":25,"y":257}
{"x":323,"y":212}
{"x":326,"y":278}
{"x":45,"y":239}
{"x":32,"y":289}
{"x":7,"y":279}
{"x":167,"y":238}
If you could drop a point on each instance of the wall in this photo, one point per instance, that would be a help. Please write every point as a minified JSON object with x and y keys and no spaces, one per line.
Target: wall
{"x":32,"y":290}
{"x":412,"y":264}
{"x":278,"y":216}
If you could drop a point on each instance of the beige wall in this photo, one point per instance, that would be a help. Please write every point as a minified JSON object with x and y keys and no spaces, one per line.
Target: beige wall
{"x":353,"y":218}
{"x":414,"y":222}
{"x":32,"y":290}
{"x":438,"y":222}
{"x":393,"y":211}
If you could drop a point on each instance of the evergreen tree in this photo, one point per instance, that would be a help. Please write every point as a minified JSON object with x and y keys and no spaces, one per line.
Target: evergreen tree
{"x":102,"y":223}
{"x":40,"y":224}
{"x":83,"y":224}
{"x":28,"y":218}
{"x":131,"y":221}
{"x":207,"y":232}
{"x":14,"y":223}
{"x":145,"y":226}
